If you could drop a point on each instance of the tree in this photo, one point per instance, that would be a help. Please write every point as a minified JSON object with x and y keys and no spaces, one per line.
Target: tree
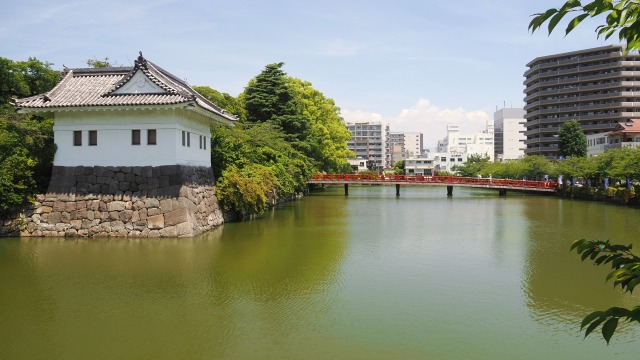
{"x":328,"y":134}
{"x":622,"y":17}
{"x":270,"y":98}
{"x":473,"y":166}
{"x":573,"y":141}
{"x":229,"y":103}
{"x":399,"y":168}
{"x":95,"y":63}
{"x":26,"y":141}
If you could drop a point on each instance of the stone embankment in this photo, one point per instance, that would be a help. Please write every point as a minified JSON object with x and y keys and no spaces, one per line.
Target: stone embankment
{"x":163,"y":201}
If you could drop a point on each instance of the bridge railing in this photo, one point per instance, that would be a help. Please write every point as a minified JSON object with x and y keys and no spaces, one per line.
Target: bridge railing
{"x":341,"y":178}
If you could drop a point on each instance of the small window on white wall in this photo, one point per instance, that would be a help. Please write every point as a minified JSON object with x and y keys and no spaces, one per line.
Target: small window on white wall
{"x":93,"y":137}
{"x":77,"y":138}
{"x":151,"y":137}
{"x":188,"y":139}
{"x":184,"y":136}
{"x":135,"y":137}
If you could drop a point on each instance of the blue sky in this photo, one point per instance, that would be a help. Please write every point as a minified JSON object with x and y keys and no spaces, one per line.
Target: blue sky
{"x":417,"y":65}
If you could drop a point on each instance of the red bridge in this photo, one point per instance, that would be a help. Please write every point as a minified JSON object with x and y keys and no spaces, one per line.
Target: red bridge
{"x":502,"y":185}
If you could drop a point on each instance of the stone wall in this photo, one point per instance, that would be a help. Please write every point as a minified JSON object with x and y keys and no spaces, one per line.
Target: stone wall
{"x":162,"y":201}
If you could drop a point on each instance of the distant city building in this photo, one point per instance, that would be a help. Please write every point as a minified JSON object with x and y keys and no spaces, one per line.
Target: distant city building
{"x":370,"y":140}
{"x":358,"y":165}
{"x":434,"y":163}
{"x":598,"y":87}
{"x":480,"y":143}
{"x":625,"y":134}
{"x":413,"y":143}
{"x":596,"y":143}
{"x":397,"y":147}
{"x":405,"y":145}
{"x":509,"y":134}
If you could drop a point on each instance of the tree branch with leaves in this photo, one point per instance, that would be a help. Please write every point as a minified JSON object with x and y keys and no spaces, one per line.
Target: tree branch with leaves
{"x":621,"y":17}
{"x":625,"y":272}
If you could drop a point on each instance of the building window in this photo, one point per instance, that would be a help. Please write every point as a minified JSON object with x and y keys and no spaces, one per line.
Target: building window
{"x":77,"y":138}
{"x":188,"y":139}
{"x":135,"y":137}
{"x":204,"y":143}
{"x":184,"y":136}
{"x":93,"y":137}
{"x":151,"y":137}
{"x":200,"y":139}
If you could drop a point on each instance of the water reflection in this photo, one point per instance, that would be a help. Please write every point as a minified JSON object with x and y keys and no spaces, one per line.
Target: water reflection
{"x":557,"y":283}
{"x":169,"y":298}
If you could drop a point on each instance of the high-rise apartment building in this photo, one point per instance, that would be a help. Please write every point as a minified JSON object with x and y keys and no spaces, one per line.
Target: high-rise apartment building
{"x":508,"y":133}
{"x":370,"y":141}
{"x":598,"y":87}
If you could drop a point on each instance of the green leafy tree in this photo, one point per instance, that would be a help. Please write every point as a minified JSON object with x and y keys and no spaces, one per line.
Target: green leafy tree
{"x":270,"y":98}
{"x":95,"y":63}
{"x":229,"y":103}
{"x":473,"y":166}
{"x":399,"y":168}
{"x":26,"y":141}
{"x":572,"y":140}
{"x":621,"y":17}
{"x":328,"y":134}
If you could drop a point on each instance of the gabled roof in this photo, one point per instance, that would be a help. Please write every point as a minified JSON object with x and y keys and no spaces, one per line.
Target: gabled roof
{"x":143,"y":84}
{"x":625,"y":127}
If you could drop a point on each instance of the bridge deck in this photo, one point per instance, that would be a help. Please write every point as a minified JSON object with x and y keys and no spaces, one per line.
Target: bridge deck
{"x":420,"y":180}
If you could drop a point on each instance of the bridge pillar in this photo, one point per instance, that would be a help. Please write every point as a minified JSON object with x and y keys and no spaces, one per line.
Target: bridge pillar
{"x":346,"y":189}
{"x":449,"y":190}
{"x":397,"y":189}
{"x":502,"y":192}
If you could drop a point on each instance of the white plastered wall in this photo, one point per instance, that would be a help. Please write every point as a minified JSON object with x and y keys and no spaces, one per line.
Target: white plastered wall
{"x":114,"y":147}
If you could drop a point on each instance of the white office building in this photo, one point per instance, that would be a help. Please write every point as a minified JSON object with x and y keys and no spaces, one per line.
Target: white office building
{"x":509,"y":132}
{"x":480,"y":143}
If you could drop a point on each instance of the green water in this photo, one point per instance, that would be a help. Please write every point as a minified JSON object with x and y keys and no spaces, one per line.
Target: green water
{"x":370,"y":276}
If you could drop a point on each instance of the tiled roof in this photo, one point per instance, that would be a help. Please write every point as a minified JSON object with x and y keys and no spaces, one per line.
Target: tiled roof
{"x":629,"y":126}
{"x":89,"y":87}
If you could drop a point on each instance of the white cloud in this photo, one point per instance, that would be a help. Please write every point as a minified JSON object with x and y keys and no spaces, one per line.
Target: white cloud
{"x":427,"y":119}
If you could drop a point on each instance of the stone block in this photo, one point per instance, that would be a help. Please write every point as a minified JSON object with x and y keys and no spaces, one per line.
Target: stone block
{"x":184,"y":230}
{"x":71,"y":233}
{"x":176,"y":217}
{"x":146,"y":171}
{"x":153,"y":183}
{"x":155,"y":222}
{"x":130,"y":177}
{"x":164,"y":181}
{"x":76,"y":224}
{"x":166,"y":205}
{"x":153,"y":212}
{"x":70,"y":206}
{"x":119,"y":177}
{"x":65,"y":217}
{"x":117,"y":225}
{"x":126,"y":215}
{"x":154,"y":234}
{"x":98,"y":170}
{"x":59,"y":206}
{"x":54,"y":217}
{"x":151,"y":203}
{"x":116,"y":206}
{"x":114,"y":215}
{"x":169,"y":232}
{"x":123,"y":186}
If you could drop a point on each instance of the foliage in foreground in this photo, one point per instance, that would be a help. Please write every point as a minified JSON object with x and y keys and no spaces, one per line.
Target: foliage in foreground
{"x":26,"y":142}
{"x":625,"y":271}
{"x":622,"y":17}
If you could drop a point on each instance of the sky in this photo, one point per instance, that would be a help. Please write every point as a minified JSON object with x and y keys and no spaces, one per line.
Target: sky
{"x":417,"y":65}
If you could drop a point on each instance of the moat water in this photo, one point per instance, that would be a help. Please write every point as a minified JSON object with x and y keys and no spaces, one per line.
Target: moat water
{"x":369,"y":276}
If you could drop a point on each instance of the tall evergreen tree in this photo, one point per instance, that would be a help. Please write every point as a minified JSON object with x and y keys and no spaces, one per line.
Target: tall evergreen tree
{"x":573,"y":142}
{"x":269,"y":98}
